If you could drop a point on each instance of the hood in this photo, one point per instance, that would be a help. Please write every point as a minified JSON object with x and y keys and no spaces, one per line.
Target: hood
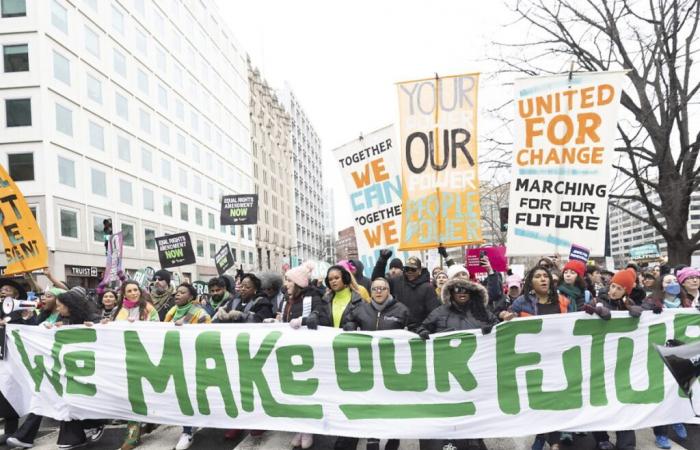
{"x":476,"y":291}
{"x":359,"y":268}
{"x":424,"y":277}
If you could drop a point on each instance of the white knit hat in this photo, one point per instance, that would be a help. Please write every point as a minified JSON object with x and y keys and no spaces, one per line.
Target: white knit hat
{"x":455,"y":269}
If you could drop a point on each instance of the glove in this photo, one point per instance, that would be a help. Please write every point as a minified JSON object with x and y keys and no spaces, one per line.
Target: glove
{"x":589,"y":309}
{"x":385,"y":253}
{"x":603,"y":312}
{"x":424,"y":334}
{"x":295,"y":323}
{"x":220,"y":315}
{"x":349,"y":326}
{"x":312,"y":322}
{"x":442,"y":251}
{"x":634,"y":310}
{"x":657,"y":309}
{"x":486,"y":330}
{"x":234,"y":314}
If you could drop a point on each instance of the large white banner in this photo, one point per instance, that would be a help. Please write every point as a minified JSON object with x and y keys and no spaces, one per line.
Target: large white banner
{"x":562,"y":159}
{"x":560,"y":372}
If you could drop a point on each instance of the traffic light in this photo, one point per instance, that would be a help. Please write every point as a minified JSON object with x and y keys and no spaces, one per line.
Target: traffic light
{"x":107,"y":232}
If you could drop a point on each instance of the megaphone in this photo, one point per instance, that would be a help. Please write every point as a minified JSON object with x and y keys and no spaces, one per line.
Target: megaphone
{"x":683,"y":360}
{"x":10,"y":305}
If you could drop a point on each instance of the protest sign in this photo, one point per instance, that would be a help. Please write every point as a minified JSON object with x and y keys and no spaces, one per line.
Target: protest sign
{"x":497,"y":258}
{"x":175,"y":250}
{"x":579,"y":252}
{"x":600,"y":375}
{"x":563,"y":150}
{"x":224,"y":259}
{"x":239,"y":209}
{"x":202,"y":287}
{"x":645,"y":251}
{"x":372,"y":175}
{"x":115,"y":250}
{"x":440,"y":166}
{"x":25,"y":249}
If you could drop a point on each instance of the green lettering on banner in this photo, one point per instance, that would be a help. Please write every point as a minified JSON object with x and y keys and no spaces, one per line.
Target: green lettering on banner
{"x":453,"y":360}
{"x":208,"y":347}
{"x":363,"y":379}
{"x":571,"y":397}
{"x":681,"y":322}
{"x":37,"y":371}
{"x":252,"y":377}
{"x":139,"y":366}
{"x":508,"y":361}
{"x":78,"y":363}
{"x":414,"y":381}
{"x":599,"y":329}
{"x":287,"y":369}
{"x":655,"y":369}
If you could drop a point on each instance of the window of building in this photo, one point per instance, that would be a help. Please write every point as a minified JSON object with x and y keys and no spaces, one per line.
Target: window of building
{"x":179,"y":109}
{"x":212,"y":250}
{"x":181,"y":144}
{"x":97,"y":135}
{"x":21,"y":166}
{"x":98,"y":234}
{"x":69,"y":223}
{"x":66,"y":171}
{"x":13,"y":8}
{"x":59,"y":16}
{"x":92,"y":42}
{"x":167,"y":206}
{"x":197,"y":184}
{"x":64,"y":120}
{"x":117,"y":20}
{"x":141,"y":42}
{"x":160,"y":60}
{"x":200,"y":249}
{"x":184,"y":212}
{"x":160,"y":23}
{"x":142,"y":81}
{"x":250,"y":233}
{"x":99,"y":182}
{"x":166,"y":169}
{"x":124,"y":148}
{"x":149,"y":238}
{"x":164,"y":133}
{"x":148,"y":203}
{"x":61,"y":68}
{"x":182,"y":175}
{"x":145,"y":120}
{"x":122,"y":105}
{"x":125,"y":193}
{"x":16,"y":58}
{"x":250,"y":258}
{"x":212,"y":223}
{"x":198,"y":219}
{"x":128,"y":234}
{"x":119,"y":62}
{"x":94,"y":89}
{"x":242,"y":256}
{"x":18,"y":112}
{"x":146,"y":159}
{"x":162,"y":96}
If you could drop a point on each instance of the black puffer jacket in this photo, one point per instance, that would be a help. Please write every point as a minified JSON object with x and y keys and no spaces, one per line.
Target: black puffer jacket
{"x":418,"y":295}
{"x":366,"y":317}
{"x":360,"y":277}
{"x":324,"y":314}
{"x":291,"y":309}
{"x":451,"y":317}
{"x":254,"y":311}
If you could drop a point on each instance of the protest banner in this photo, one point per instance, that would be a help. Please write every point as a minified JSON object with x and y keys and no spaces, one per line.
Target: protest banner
{"x":440,"y":166}
{"x":497,"y":258}
{"x":580,"y":253}
{"x":600,"y":375}
{"x":175,"y":250}
{"x":115,"y":250}
{"x":239,"y":209}
{"x":224,"y":259}
{"x":201,"y":287}
{"x":372,"y":175}
{"x":25,"y":249}
{"x":562,"y":159}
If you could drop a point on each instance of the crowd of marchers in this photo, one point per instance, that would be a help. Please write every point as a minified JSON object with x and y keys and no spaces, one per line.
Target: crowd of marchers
{"x":406,"y":296}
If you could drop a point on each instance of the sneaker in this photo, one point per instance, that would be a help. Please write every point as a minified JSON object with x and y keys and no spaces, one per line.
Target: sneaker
{"x":185,"y":442}
{"x":14,"y":442}
{"x":296,"y":440}
{"x":538,"y":444}
{"x":663,"y":441}
{"x":72,"y":446}
{"x":95,"y":434}
{"x":307,"y":440}
{"x":567,"y":438}
{"x":605,"y":445}
{"x":680,"y":430}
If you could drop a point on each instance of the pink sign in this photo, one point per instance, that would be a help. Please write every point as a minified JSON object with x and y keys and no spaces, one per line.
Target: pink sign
{"x":496,"y":255}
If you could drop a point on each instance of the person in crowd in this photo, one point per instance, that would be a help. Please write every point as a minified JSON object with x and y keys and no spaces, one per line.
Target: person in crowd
{"x":412,"y":288}
{"x":48,"y":312}
{"x":186,"y":311}
{"x":108,"y":301}
{"x":272,"y":283}
{"x":440,"y":279}
{"x":359,"y":274}
{"x":10,"y":288}
{"x":605,"y":277}
{"x":162,"y":293}
{"x":648,"y":283}
{"x":551,"y":263}
{"x":593,"y":280}
{"x":689,"y":279}
{"x":250,"y":305}
{"x":457,"y":271}
{"x":218,"y":295}
{"x":343,"y":296}
{"x":638,"y":293}
{"x":350,"y":267}
{"x":656,"y":271}
{"x":506,"y":301}
{"x":464,"y":307}
{"x":573,"y":286}
{"x":395,"y":268}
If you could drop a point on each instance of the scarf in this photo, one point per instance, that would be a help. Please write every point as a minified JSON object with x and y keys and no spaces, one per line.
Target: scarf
{"x":160,"y":300}
{"x":570,"y":291}
{"x":129,"y":304}
{"x":379,"y":306}
{"x":224,"y":297}
{"x":675,"y":303}
{"x":181,"y":311}
{"x":53,"y":318}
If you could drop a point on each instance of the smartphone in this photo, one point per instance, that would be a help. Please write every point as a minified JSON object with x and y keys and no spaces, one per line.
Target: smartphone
{"x":482,"y":255}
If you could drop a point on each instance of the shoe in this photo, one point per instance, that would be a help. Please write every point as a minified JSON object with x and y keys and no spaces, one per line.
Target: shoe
{"x":256,"y":433}
{"x":567,"y":438}
{"x":296,"y":440}
{"x":307,"y":440}
{"x":95,"y":434}
{"x":680,"y":430}
{"x":538,"y":444}
{"x":231,"y":434}
{"x":14,"y":442}
{"x":605,"y":445}
{"x":185,"y":442}
{"x":663,"y":441}
{"x":72,"y":446}
{"x":372,"y":444}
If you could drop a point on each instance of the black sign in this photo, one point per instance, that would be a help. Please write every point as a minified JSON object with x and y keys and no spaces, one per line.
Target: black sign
{"x":224,"y":259}
{"x":239,"y":209}
{"x":175,"y":250}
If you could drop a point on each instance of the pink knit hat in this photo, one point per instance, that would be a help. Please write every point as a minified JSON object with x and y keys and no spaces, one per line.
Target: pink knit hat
{"x":686,"y":273}
{"x":300,"y":275}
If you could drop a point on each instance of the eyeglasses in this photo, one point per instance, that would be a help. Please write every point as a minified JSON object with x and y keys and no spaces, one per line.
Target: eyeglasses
{"x":459,"y":290}
{"x":158,"y":279}
{"x":379,"y":288}
{"x":410,"y":269}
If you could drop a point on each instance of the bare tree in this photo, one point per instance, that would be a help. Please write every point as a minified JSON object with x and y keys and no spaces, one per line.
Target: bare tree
{"x":655,"y":41}
{"x":493,"y":197}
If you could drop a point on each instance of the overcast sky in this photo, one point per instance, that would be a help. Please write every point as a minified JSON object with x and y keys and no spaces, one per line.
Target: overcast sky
{"x":343,"y":58}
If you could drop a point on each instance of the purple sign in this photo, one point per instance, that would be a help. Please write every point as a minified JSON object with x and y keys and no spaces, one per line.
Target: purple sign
{"x":114,"y":265}
{"x":497,"y":258}
{"x":579,"y":252}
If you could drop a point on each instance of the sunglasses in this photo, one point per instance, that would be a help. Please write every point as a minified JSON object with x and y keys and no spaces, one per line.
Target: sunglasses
{"x":410,"y":269}
{"x":379,"y":288}
{"x":459,"y":290}
{"x":158,"y":279}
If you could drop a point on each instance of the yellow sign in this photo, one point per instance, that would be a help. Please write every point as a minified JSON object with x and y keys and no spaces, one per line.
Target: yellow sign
{"x":24,"y":244}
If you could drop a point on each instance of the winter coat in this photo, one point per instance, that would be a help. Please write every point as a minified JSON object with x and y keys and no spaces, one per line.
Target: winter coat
{"x":360,"y":277}
{"x":254,"y":311}
{"x":451,"y":316}
{"x":394,"y":316}
{"x":526,"y":305}
{"x":324,"y":314}
{"x":623,"y":304}
{"x":418,"y":295}
{"x":309,"y":299}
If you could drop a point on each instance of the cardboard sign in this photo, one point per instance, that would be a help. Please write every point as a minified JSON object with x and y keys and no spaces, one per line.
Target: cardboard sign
{"x":497,"y":258}
{"x":579,"y":252}
{"x":239,"y":209}
{"x":175,"y":250}
{"x":24,"y":244}
{"x":224,"y":259}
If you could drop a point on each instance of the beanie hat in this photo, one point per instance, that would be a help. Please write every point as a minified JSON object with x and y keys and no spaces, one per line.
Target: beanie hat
{"x":396,"y":264}
{"x":455,"y":269}
{"x":55,"y":291}
{"x":300,"y":275}
{"x":686,"y":273}
{"x":79,"y":290}
{"x":347,"y":265}
{"x":626,"y":278}
{"x":577,"y":266}
{"x":163,"y":275}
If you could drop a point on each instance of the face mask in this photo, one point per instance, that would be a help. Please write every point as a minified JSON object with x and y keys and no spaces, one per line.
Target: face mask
{"x":673,"y":289}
